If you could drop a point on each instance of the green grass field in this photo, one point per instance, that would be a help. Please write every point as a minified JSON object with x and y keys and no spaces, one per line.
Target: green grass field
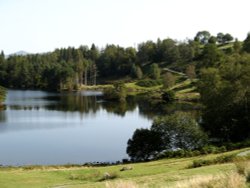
{"x":161,"y":173}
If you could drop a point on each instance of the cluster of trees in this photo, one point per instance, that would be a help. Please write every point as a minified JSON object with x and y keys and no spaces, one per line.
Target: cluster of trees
{"x":2,"y":94}
{"x":224,"y":78}
{"x":225,"y":93}
{"x":72,"y":67}
{"x":205,"y":37}
{"x":63,"y":68}
{"x":177,"y":131}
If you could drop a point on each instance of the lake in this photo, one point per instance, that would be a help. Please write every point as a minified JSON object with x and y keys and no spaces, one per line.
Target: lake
{"x":44,"y":128}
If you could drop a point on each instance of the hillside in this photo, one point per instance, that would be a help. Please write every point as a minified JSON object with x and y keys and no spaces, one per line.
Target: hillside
{"x":161,"y":173}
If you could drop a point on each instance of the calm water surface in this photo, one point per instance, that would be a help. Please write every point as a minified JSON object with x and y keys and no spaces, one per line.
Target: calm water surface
{"x":39,"y":127}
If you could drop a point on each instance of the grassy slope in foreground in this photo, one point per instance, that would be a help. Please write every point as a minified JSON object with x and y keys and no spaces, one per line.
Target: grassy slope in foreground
{"x":161,"y":173}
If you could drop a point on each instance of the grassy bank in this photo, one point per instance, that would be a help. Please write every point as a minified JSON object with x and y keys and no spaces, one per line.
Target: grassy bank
{"x":161,"y":173}
{"x":184,"y":90}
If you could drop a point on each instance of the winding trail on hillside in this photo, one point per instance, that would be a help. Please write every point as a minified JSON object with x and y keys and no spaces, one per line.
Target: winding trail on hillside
{"x":175,"y":72}
{"x":244,"y":153}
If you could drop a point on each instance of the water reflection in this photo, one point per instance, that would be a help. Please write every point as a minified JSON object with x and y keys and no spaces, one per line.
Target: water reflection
{"x":90,"y":102}
{"x":38,"y":127}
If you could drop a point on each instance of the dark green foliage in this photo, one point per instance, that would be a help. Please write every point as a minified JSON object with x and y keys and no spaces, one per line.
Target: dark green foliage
{"x":246,"y":44}
{"x":118,"y":92}
{"x":202,"y":37}
{"x":168,"y":95}
{"x":61,"y":69}
{"x":53,"y":70}
{"x":155,"y":71}
{"x":211,"y":55}
{"x":136,"y":72}
{"x":168,"y":80}
{"x":116,"y":61}
{"x":179,"y":130}
{"x":225,"y":93}
{"x":187,"y":53}
{"x":218,"y":160}
{"x":212,"y":40}
{"x":149,"y":83}
{"x":144,"y":144}
{"x":237,"y":46}
{"x":191,"y":153}
{"x":224,"y":38}
{"x":227,"y":38}
{"x":220,"y":38}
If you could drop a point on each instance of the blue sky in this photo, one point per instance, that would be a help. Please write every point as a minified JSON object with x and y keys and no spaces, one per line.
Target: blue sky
{"x":43,"y":25}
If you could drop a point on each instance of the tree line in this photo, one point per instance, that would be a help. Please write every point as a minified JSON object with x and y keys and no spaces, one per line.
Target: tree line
{"x":71,"y":67}
{"x":224,"y":86}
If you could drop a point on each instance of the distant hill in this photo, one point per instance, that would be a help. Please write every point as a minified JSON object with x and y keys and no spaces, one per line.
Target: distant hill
{"x":21,"y":53}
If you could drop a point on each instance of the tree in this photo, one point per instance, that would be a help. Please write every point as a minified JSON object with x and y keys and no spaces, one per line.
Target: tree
{"x":136,"y":72}
{"x":169,"y":51}
{"x":2,"y":94}
{"x":246,"y":44}
{"x":155,"y":71}
{"x":79,"y":67}
{"x":118,"y":92}
{"x":202,"y":37}
{"x":179,"y":131}
{"x":176,"y":131}
{"x":237,"y":46}
{"x":187,"y":52}
{"x":211,"y":56}
{"x":144,"y":144}
{"x":139,"y":73}
{"x":220,"y":38}
{"x":146,"y":52}
{"x":190,"y":72}
{"x":168,"y":80}
{"x":212,"y":40}
{"x":225,"y":93}
{"x":227,"y":38}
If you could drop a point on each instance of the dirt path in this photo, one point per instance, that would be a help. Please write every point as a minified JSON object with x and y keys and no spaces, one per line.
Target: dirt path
{"x":244,"y":153}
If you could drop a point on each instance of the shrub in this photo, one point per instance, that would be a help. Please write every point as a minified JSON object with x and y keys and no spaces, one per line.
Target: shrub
{"x":217,"y":160}
{"x":92,"y":176}
{"x":241,"y":167}
{"x":200,"y":163}
{"x":118,"y":92}
{"x":168,"y":96}
{"x":109,"y":176}
{"x":248,"y":176}
{"x":149,"y":83}
{"x":169,"y":80}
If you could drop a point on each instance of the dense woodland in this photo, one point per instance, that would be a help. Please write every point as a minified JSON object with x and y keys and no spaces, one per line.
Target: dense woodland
{"x":71,"y":67}
{"x":220,"y":63}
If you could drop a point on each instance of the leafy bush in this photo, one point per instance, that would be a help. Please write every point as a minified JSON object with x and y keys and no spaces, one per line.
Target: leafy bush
{"x":168,"y":95}
{"x":248,"y":176}
{"x":180,"y":131}
{"x":109,"y":176}
{"x":92,"y":176}
{"x":213,"y":149}
{"x":218,"y":160}
{"x":144,"y":144}
{"x":118,"y":92}
{"x":149,"y":83}
{"x":201,"y":162}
